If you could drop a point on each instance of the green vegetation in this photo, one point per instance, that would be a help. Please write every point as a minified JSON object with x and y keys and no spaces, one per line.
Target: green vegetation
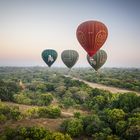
{"x":9,"y":113}
{"x":117,"y":77}
{"x":33,"y":99}
{"x":44,"y":112}
{"x":7,"y":90}
{"x":13,"y":113}
{"x":73,"y":127}
{"x":109,"y":118}
{"x":48,"y":94}
{"x":33,"y":133}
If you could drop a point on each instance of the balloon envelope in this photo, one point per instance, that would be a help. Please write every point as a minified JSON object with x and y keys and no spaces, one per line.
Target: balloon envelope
{"x":91,"y":36}
{"x":49,"y":56}
{"x":98,"y":59}
{"x":69,"y":57}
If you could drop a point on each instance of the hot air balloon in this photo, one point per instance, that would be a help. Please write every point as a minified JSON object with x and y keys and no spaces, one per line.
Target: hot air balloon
{"x":69,"y":57}
{"x":98,"y":59}
{"x":92,"y":35}
{"x":49,"y":56}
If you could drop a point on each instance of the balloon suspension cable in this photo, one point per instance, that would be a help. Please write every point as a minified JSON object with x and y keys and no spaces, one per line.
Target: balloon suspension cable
{"x":69,"y":71}
{"x":98,"y":73}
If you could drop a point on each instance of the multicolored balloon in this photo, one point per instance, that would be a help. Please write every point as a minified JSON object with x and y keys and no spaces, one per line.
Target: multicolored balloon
{"x":69,"y":57}
{"x":49,"y":56}
{"x":92,"y":35}
{"x":98,"y":59}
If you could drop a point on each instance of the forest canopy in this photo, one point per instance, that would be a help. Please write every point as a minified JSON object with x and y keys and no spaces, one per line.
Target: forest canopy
{"x":75,"y":109}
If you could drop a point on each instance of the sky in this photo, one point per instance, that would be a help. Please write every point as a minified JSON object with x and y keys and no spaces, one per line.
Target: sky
{"x":27,"y":27}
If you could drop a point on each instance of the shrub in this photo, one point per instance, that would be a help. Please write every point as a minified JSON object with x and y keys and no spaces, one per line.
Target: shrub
{"x":3,"y":118}
{"x":60,"y":136}
{"x":44,"y":99}
{"x":44,"y":112}
{"x":54,"y":112}
{"x":73,"y":127}
{"x":7,"y":90}
{"x":22,"y":99}
{"x":68,"y":102}
{"x":32,"y":113}
{"x":77,"y":115}
{"x":133,"y":132}
{"x":10,"y":112}
{"x":33,"y":133}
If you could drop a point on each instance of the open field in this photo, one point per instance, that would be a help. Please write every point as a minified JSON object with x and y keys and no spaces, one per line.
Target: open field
{"x":104,"y":87}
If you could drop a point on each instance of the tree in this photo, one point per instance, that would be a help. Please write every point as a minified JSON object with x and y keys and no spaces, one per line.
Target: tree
{"x":53,"y":112}
{"x":77,"y":115}
{"x":22,"y":99}
{"x":60,"y":91}
{"x":133,"y":132}
{"x":121,"y":127}
{"x":92,"y":124}
{"x":127,"y":102}
{"x":3,"y":118}
{"x":9,"y":112}
{"x":80,"y":96}
{"x":49,"y":87}
{"x":49,"y":112}
{"x":32,"y":133}
{"x":73,"y":127}
{"x":7,"y":90}
{"x":60,"y":136}
{"x":44,"y":99}
{"x":112,"y":116}
{"x":73,"y":89}
{"x":15,"y":114}
{"x":99,"y":136}
{"x":68,"y":102}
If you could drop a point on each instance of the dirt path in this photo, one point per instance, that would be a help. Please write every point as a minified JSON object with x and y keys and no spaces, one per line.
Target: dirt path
{"x":65,"y":113}
{"x":109,"y":88}
{"x":51,"y":124}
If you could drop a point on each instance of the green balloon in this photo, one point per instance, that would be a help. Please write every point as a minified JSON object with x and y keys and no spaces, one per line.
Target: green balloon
{"x":69,"y":57}
{"x":49,"y":56}
{"x":98,"y":60}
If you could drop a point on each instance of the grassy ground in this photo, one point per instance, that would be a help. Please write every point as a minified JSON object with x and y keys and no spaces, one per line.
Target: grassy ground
{"x":51,"y":124}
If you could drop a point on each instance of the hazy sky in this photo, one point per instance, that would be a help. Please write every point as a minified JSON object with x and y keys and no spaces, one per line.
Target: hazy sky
{"x":27,"y":27}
